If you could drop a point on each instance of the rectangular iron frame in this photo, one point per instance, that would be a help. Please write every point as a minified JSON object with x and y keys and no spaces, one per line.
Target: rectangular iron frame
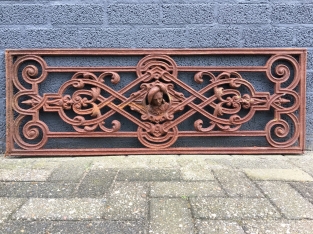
{"x":156,"y":57}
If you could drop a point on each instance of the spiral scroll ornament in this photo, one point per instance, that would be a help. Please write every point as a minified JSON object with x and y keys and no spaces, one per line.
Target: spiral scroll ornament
{"x":282,"y":130}
{"x":35,"y":132}
{"x":285,"y":101}
{"x":30,"y":72}
{"x":282,"y":72}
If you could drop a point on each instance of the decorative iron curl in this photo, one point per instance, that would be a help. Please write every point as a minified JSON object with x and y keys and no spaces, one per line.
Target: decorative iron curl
{"x":163,"y":61}
{"x":157,"y":142}
{"x":115,"y":78}
{"x":199,"y":76}
{"x":29,"y":72}
{"x":283,"y":71}
{"x":83,"y":127}
{"x":31,"y":131}
{"x":233,"y":76}
{"x":198,"y":125}
{"x":281,"y":130}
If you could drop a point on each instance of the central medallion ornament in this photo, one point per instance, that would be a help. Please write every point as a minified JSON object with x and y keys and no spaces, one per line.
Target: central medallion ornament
{"x":157,"y":101}
{"x":157,"y":105}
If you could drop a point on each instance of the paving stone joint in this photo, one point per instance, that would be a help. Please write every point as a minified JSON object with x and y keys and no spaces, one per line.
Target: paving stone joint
{"x":159,"y":194}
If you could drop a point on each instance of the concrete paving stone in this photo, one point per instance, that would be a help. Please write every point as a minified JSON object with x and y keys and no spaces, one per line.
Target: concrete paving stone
{"x":269,"y":226}
{"x":24,"y":174}
{"x":148,"y":175}
{"x":61,"y":209}
{"x":107,"y":227}
{"x":121,"y":162}
{"x":43,"y":163}
{"x":70,"y":170}
{"x":278,"y":226}
{"x":218,"y":227}
{"x":208,"y":161}
{"x":304,"y":188}
{"x":63,"y":159}
{"x":18,"y":227}
{"x":301,"y":226}
{"x":307,"y":153}
{"x":13,"y":163}
{"x":256,"y":161}
{"x":8,"y":206}
{"x":29,"y":163}
{"x":211,"y":164}
{"x":186,"y":189}
{"x":278,"y":174}
{"x":136,"y":161}
{"x":236,"y":184}
{"x":127,"y":201}
{"x":196,"y":172}
{"x":163,"y":161}
{"x":305,"y":162}
{"x":170,"y":215}
{"x":96,"y":183}
{"x":36,"y":189}
{"x":233,"y":208}
{"x":288,"y":200}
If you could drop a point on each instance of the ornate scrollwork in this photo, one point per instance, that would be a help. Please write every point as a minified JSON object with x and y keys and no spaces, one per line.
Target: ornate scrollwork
{"x":157,"y":66}
{"x":33,"y":131}
{"x":157,"y":102}
{"x":285,"y":101}
{"x":30,"y":73}
{"x":157,"y":136}
{"x":158,"y":105}
{"x":84,"y":102}
{"x":282,"y":71}
{"x":281,"y":131}
{"x":228,"y":101}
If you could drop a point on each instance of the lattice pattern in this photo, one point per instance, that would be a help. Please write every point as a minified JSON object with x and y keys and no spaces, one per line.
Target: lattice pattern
{"x":156,"y":103}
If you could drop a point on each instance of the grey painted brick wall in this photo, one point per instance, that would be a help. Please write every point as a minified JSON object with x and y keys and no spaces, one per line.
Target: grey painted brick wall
{"x":157,"y":23}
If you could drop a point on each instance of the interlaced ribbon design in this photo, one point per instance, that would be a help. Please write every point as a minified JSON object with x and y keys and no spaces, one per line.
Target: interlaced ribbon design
{"x":155,"y":103}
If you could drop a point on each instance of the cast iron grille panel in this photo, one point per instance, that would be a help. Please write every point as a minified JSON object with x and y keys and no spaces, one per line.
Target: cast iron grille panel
{"x":155,"y":101}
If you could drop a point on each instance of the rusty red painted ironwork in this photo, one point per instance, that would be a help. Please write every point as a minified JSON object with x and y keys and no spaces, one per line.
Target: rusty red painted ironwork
{"x":155,"y":102}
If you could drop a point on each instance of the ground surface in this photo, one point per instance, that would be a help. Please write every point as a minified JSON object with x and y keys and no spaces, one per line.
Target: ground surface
{"x":157,"y":194}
